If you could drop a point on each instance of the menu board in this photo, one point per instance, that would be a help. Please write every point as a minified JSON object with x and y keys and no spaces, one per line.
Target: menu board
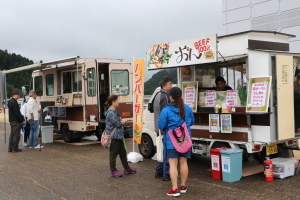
{"x":214,"y":123}
{"x":210,"y":98}
{"x":231,"y":98}
{"x":226,"y":124}
{"x":258,"y":94}
{"x":190,"y":94}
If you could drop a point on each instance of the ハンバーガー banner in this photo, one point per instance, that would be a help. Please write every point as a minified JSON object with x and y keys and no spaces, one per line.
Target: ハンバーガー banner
{"x":139,"y":74}
{"x":183,"y":52}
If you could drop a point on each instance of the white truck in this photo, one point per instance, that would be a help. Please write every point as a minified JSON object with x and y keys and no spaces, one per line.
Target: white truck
{"x":243,"y":56}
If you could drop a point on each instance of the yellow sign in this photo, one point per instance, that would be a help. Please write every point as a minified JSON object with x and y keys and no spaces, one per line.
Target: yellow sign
{"x":271,"y":149}
{"x":139,"y":72}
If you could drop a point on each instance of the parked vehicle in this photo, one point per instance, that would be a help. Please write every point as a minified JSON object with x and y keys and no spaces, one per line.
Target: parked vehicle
{"x":241,"y":56}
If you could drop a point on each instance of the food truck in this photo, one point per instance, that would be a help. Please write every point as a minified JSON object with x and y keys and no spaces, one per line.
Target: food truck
{"x":72,"y":93}
{"x":257,"y":115}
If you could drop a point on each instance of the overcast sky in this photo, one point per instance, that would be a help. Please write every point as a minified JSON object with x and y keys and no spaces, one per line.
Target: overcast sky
{"x":55,"y":29}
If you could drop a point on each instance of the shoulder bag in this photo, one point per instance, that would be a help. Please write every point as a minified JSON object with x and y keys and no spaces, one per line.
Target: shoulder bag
{"x":181,"y":139}
{"x":106,"y":139}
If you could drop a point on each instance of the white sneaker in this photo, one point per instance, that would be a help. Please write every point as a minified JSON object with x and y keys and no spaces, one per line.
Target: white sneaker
{"x":38,"y":146}
{"x":25,"y":144}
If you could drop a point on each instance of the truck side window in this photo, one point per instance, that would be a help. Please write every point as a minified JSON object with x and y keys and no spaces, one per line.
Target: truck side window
{"x":91,"y":83}
{"x":67,"y":82}
{"x":120,"y":82}
{"x":77,"y":81}
{"x":49,"y":84}
{"x":38,"y":85}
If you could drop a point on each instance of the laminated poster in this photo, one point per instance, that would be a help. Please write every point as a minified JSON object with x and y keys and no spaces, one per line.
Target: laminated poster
{"x":231,"y":97}
{"x":210,"y":98}
{"x":215,"y":164}
{"x":225,"y":164}
{"x":214,"y":123}
{"x":226,"y":125}
{"x":190,"y":94}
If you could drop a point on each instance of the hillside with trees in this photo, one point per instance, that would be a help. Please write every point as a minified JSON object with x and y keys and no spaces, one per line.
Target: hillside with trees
{"x":153,"y":82}
{"x":14,"y":81}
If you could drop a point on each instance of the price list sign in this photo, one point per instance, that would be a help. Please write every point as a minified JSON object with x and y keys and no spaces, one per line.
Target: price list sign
{"x":259,"y":91}
{"x":210,"y":98}
{"x":231,"y":98}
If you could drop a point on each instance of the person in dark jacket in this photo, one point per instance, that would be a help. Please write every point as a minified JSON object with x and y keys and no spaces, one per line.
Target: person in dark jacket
{"x":221,"y":84}
{"x":160,"y":101}
{"x":15,"y":119}
{"x":113,"y":120}
{"x":172,"y":117}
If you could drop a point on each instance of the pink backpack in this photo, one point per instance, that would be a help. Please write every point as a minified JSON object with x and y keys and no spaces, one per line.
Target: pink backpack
{"x":181,"y":139}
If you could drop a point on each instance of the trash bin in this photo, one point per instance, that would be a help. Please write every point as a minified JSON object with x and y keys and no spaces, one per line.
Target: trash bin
{"x":232,"y":164}
{"x":215,"y":156}
{"x":47,"y":134}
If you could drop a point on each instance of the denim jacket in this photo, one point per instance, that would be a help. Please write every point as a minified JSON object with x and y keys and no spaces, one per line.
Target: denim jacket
{"x":113,"y":120}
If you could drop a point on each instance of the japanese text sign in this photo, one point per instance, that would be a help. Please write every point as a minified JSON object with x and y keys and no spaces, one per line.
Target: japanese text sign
{"x":190,"y":94}
{"x":210,"y":98}
{"x":138,"y":70}
{"x":259,"y":91}
{"x":231,"y":97}
{"x":183,"y":52}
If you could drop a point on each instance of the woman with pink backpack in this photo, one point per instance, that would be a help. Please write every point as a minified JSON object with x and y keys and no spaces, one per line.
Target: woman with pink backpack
{"x":176,"y":119}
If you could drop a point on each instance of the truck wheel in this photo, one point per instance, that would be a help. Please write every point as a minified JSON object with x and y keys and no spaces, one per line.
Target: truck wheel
{"x":67,"y":134}
{"x":146,"y":147}
{"x":77,"y":139}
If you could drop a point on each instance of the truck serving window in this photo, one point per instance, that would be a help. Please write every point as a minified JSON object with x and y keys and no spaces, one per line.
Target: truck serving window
{"x":72,"y":80}
{"x":120,"y":82}
{"x":50,"y":85}
{"x":91,"y":84}
{"x":38,"y":85}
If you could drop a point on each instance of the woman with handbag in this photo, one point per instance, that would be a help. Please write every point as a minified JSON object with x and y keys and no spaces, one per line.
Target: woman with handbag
{"x":114,"y":126}
{"x":177,"y":117}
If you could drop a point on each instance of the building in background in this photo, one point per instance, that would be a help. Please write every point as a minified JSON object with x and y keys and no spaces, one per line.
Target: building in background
{"x":266,"y":15}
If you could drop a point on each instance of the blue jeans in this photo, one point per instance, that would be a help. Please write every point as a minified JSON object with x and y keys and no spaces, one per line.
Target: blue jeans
{"x":34,"y":132}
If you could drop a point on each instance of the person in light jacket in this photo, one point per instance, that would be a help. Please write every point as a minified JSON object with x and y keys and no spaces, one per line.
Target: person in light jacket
{"x":33,"y":117}
{"x":117,"y":147}
{"x":172,"y":117}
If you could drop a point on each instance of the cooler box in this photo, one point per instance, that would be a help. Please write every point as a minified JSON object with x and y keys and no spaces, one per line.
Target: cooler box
{"x":232,"y":160}
{"x":283,"y":167}
{"x":215,"y":157}
{"x":47,"y":134}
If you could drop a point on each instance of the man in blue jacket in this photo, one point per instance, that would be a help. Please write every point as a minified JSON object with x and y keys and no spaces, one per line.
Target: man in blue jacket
{"x":160,"y":101}
{"x":15,"y":119}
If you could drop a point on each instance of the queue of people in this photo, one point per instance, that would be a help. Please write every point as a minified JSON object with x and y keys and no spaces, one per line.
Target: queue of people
{"x":27,"y":116}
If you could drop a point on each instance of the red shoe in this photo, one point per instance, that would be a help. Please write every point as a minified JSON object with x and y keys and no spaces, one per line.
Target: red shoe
{"x":183,"y":189}
{"x":173,"y":193}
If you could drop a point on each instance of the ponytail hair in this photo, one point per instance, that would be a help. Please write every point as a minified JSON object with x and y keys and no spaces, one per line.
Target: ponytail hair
{"x":176,"y":93}
{"x":180,"y":106}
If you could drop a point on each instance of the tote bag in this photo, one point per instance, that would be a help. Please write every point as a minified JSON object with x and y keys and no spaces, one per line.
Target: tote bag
{"x":106,"y":139}
{"x":181,"y":139}
{"x":159,"y":148}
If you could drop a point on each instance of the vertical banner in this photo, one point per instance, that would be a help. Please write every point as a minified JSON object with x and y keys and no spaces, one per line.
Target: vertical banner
{"x":138,"y":95}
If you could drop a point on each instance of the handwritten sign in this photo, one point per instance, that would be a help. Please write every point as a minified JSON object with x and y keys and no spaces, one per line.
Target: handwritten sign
{"x":190,"y":94}
{"x":259,"y":91}
{"x":231,"y":98}
{"x":183,"y":52}
{"x":210,"y":98}
{"x":258,"y":94}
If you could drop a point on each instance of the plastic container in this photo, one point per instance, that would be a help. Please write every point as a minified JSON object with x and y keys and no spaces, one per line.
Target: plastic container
{"x":283,"y":167}
{"x":47,"y":134}
{"x":232,"y":160}
{"x":215,"y":157}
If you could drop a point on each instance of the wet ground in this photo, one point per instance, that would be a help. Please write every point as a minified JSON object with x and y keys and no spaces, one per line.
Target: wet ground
{"x":63,"y":171}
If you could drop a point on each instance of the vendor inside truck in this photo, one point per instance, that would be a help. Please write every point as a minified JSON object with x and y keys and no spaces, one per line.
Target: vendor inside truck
{"x":221,"y":84}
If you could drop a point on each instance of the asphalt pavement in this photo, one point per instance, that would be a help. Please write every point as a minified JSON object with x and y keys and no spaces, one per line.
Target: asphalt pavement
{"x":63,"y":171}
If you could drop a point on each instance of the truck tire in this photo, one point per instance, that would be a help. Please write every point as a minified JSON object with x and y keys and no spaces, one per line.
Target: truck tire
{"x":67,"y":134}
{"x":146,"y":147}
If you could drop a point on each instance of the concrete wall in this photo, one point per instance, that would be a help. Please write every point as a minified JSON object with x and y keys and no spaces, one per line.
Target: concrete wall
{"x":268,"y":15}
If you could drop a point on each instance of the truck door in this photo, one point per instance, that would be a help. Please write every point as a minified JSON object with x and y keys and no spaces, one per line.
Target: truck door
{"x":121,"y":84}
{"x":285,"y":97}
